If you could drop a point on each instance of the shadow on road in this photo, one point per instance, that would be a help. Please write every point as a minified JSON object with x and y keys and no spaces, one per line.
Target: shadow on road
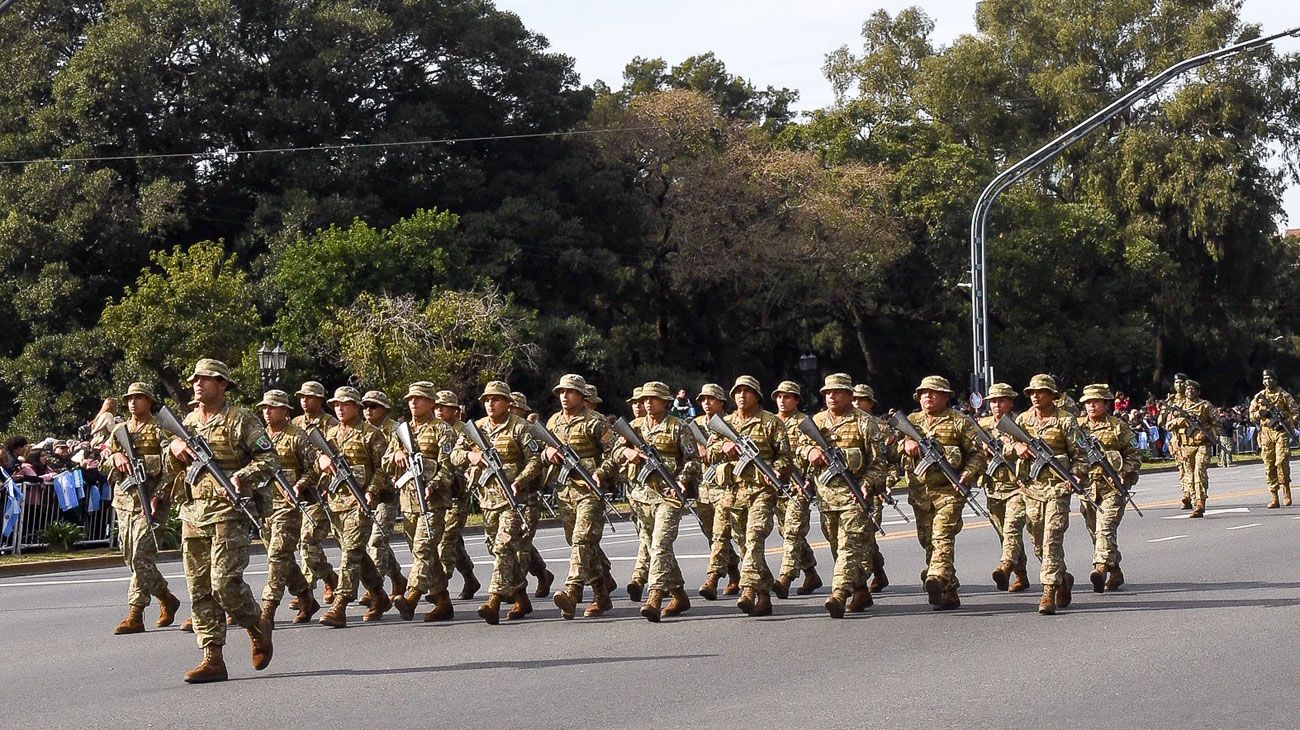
{"x":526,"y":665}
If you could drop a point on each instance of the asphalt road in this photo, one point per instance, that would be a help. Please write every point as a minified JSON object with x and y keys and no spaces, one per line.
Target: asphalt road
{"x":1201,"y":635}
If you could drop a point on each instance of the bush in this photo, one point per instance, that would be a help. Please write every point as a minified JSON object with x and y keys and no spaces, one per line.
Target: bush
{"x":61,"y":536}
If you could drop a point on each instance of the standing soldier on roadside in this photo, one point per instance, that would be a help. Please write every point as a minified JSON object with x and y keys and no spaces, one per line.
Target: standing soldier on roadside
{"x":215,"y":534}
{"x":847,"y":524}
{"x":1047,"y":498}
{"x":139,"y":548}
{"x":1116,"y":440}
{"x":1194,"y":443}
{"x":1275,"y":411}
{"x":451,"y":550}
{"x":1002,"y":491}
{"x":711,"y":504}
{"x":751,"y":500}
{"x":502,"y":525}
{"x":363,"y":446}
{"x":658,"y":507}
{"x":794,"y":516}
{"x":582,"y":511}
{"x":936,"y":504}
{"x":433,"y":440}
{"x":284,"y":525}
{"x":376,"y":406}
{"x":864,"y":399}
{"x":1162,"y":420}
{"x":315,"y":565}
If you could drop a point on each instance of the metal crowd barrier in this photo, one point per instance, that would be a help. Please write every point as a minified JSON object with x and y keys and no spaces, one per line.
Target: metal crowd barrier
{"x":40,"y":509}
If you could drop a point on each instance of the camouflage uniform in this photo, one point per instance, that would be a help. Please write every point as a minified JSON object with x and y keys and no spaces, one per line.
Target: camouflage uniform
{"x":1172,"y":444}
{"x":315,"y":564}
{"x":451,"y":549}
{"x":1275,"y":438}
{"x":658,"y":511}
{"x":380,"y":546}
{"x":1005,"y":504}
{"x":1194,"y":448}
{"x":139,"y":549}
{"x":434,"y":439}
{"x":284,"y":525}
{"x":794,"y":516}
{"x":363,"y":446}
{"x":1116,"y":440}
{"x":712,"y":509}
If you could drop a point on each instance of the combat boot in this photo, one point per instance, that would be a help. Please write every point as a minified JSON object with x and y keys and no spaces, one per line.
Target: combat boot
{"x":1002,"y":575}
{"x":331,"y":582}
{"x":211,"y":669}
{"x":860,"y":601}
{"x":1272,"y":501}
{"x":399,"y":582}
{"x":260,"y":633}
{"x":471,"y":587}
{"x":762,"y":603}
{"x":295,"y":604}
{"x":1063,"y":595}
{"x":1199,"y":511}
{"x":1115,"y":579}
{"x":1286,"y":496}
{"x":600,"y":603}
{"x":746,"y":602}
{"x":568,"y":599}
{"x":379,"y":603}
{"x":782,"y":587}
{"x":268,"y":610}
{"x":879,"y":581}
{"x":307,"y":607}
{"x":188,"y":626}
{"x":1098,"y":577}
{"x":948,"y":600}
{"x":337,"y":616}
{"x":934,"y":590}
{"x":1020,"y":581}
{"x":491,"y":611}
{"x":168,"y":605}
{"x":366,"y":599}
{"x":835,"y":603}
{"x":406,"y":604}
{"x":1047,"y":606}
{"x":733,"y":581}
{"x":544,"y":581}
{"x":522,"y":606}
{"x":634,"y":591}
{"x":442,"y":609}
{"x":651,"y":611}
{"x":611,"y":585}
{"x":680,"y":604}
{"x":709,"y":589}
{"x":811,"y":582}
{"x":133,"y":623}
{"x":1187,"y":502}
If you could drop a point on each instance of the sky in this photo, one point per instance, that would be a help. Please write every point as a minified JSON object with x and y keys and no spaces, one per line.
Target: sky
{"x":779,"y":43}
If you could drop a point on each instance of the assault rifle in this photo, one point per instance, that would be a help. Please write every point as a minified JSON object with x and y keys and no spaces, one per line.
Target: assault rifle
{"x":749,"y":454}
{"x":136,"y":478}
{"x":494,"y":467}
{"x":1043,"y":458}
{"x":205,"y":461}
{"x":343,"y":473}
{"x":839,"y":469}
{"x":1096,"y":456}
{"x":654,"y":464}
{"x":414,"y":471}
{"x":573,"y":465}
{"x":286,"y":488}
{"x":994,"y":449}
{"x":703,"y":441}
{"x":932,"y":455}
{"x":1276,"y":420}
{"x":1194,"y":423}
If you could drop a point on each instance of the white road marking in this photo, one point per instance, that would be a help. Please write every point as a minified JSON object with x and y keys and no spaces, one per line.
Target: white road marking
{"x":1242,"y":527}
{"x":1171,"y":537}
{"x":1208,"y":512}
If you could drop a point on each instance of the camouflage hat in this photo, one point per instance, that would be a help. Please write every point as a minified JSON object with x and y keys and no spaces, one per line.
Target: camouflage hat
{"x":275,"y":399}
{"x":592,"y":394}
{"x":207,"y":367}
{"x":1180,"y":376}
{"x":143,"y":389}
{"x":837,"y":381}
{"x":520,"y":401}
{"x":636,"y":395}
{"x":1193,"y":384}
{"x":1042,"y":381}
{"x":572,"y":381}
{"x":446,"y":398}
{"x":711,"y":390}
{"x":1001,"y":390}
{"x":1097,"y":391}
{"x":345,"y":394}
{"x":496,"y":387}
{"x":656,"y":389}
{"x":747,"y":381}
{"x":933,"y":382}
{"x":376,"y":397}
{"x":862,"y":390}
{"x":788,"y":386}
{"x":312,"y":388}
{"x":420,"y":389}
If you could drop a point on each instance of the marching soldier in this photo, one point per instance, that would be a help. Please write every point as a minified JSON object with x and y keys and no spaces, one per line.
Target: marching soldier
{"x":658,"y":508}
{"x":847,"y":524}
{"x":1002,"y":491}
{"x":284,"y":526}
{"x":1047,"y":498}
{"x":315,"y":565}
{"x":1275,"y":411}
{"x":139,"y":548}
{"x":864,"y":399}
{"x":936,"y":505}
{"x":376,"y":406}
{"x":433,"y":439}
{"x":451,"y":550}
{"x":1194,"y":442}
{"x":1162,"y":419}
{"x":794,"y":516}
{"x":582,"y":511}
{"x":711,"y":504}
{"x":363,"y":446}
{"x":641,"y":566}
{"x":519,"y":406}
{"x":751,"y":499}
{"x":502,"y":525}
{"x":215,"y":534}
{"x":1116,"y":440}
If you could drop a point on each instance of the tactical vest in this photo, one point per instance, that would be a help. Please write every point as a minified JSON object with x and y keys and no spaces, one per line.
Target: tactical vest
{"x":222,"y":434}
{"x":946,"y":431}
{"x":1054,"y":431}
{"x":665,"y":437}
{"x":352,"y":444}
{"x":755,"y":429}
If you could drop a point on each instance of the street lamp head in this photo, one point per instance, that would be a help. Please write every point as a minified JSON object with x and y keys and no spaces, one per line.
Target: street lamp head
{"x":279,"y":358}
{"x":808,"y":363}
{"x":264,"y":357}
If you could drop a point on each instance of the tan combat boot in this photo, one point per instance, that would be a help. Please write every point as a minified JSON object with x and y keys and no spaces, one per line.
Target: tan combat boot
{"x":879,"y":581}
{"x":651,"y":611}
{"x":491,"y":611}
{"x":268,"y":610}
{"x":1002,"y":575}
{"x":733,"y":581}
{"x":634,"y":591}
{"x":1286,"y":496}
{"x":709,"y":589}
{"x":1187,"y":502}
{"x":568,"y":599}
{"x":471,"y":586}
{"x":948,"y":600}
{"x":442,"y":609}
{"x":1047,"y":606}
{"x":835,"y":603}
{"x":544,"y":581}
{"x":307,"y":607}
{"x":934,"y":590}
{"x":522,"y":606}
{"x":1272,"y":501}
{"x":860,"y":601}
{"x":167,"y":612}
{"x":379,"y":603}
{"x":211,"y":669}
{"x":295,"y":604}
{"x":366,"y":599}
{"x":680,"y":604}
{"x":260,"y":633}
{"x":1199,"y":510}
{"x":406,"y":603}
{"x":337,"y":616}
{"x":747,"y":600}
{"x":762,"y":603}
{"x":811,"y":582}
{"x":600,"y":603}
{"x":1020,"y":580}
{"x":331,"y":582}
{"x":1115,"y":579}
{"x":1098,"y":577}
{"x":133,"y":623}
{"x":782,"y":587}
{"x":399,"y":582}
{"x":188,"y":626}
{"x":1063,"y":595}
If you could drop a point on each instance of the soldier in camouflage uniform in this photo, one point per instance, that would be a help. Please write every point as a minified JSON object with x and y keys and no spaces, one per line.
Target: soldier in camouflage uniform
{"x":1002,"y":489}
{"x":502,"y":526}
{"x":1116,"y":440}
{"x":1047,"y":498}
{"x":1162,"y":420}
{"x":363,"y":446}
{"x":451,"y":550}
{"x":864,"y":399}
{"x":1194,"y":442}
{"x":936,"y":504}
{"x":376,"y":406}
{"x":1275,"y":411}
{"x":794,"y":516}
{"x":215,"y":534}
{"x":139,"y":549}
{"x":751,"y":499}
{"x":641,"y":565}
{"x":846,"y":522}
{"x":711,"y":504}
{"x":434,"y":440}
{"x":315,"y":565}
{"x":657,"y":504}
{"x":283,"y":527}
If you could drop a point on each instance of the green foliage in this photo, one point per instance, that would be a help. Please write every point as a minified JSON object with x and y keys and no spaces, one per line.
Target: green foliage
{"x":60,"y":536}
